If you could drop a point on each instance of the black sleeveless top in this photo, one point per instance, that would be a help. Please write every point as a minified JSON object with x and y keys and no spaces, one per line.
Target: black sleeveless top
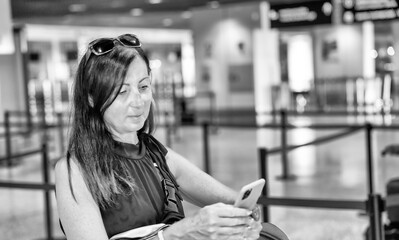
{"x":146,"y":205}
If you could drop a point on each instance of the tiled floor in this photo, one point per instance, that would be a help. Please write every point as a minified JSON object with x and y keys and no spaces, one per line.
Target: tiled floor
{"x":333,"y":170}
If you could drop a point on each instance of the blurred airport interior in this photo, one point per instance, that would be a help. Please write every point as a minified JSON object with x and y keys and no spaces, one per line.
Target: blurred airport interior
{"x":302,"y":92}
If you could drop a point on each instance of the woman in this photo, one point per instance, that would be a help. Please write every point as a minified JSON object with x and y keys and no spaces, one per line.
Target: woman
{"x":117,"y":176}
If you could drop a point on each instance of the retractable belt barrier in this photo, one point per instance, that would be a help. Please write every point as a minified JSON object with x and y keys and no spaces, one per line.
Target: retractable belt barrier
{"x":373,"y":203}
{"x":45,"y":186}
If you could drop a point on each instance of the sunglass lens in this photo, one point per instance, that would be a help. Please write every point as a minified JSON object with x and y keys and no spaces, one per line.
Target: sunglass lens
{"x":103,"y":46}
{"x":130,"y":40}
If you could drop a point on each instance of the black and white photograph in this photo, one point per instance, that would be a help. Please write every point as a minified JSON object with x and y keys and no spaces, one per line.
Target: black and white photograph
{"x":199,"y":119}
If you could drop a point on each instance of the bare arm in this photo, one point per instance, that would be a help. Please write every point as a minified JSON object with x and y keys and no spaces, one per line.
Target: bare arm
{"x":81,"y":219}
{"x":198,"y":187}
{"x":217,"y":219}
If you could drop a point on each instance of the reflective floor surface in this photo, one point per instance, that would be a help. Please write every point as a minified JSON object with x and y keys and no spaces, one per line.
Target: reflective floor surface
{"x":332,"y":170}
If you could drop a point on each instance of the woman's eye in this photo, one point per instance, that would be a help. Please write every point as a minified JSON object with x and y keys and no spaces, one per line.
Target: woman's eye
{"x":144,"y":87}
{"x":122,"y":92}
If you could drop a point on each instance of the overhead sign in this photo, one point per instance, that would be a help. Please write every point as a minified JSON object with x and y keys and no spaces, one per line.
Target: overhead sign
{"x":301,"y":14}
{"x":369,"y":10}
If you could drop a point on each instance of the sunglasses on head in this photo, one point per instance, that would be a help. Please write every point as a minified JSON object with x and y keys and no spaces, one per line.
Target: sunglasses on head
{"x":103,"y":46}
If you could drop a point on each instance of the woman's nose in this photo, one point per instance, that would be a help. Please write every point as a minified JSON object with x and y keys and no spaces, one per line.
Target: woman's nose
{"x":135,"y":99}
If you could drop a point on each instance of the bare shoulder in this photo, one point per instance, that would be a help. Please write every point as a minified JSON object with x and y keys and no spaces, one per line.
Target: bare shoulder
{"x":78,"y":211}
{"x":62,"y":169}
{"x":62,"y":164}
{"x":69,"y":178}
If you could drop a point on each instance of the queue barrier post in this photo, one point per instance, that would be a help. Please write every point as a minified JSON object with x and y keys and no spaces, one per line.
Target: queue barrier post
{"x":285,"y":175}
{"x":205,"y":140}
{"x":374,"y":202}
{"x":8,"y":137}
{"x":284,"y":157}
{"x":375,"y":206}
{"x":61,"y":132}
{"x":262,"y":153}
{"x":369,"y":156}
{"x":47,"y":199}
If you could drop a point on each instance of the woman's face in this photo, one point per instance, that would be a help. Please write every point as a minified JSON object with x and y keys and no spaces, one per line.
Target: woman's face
{"x":130,"y":109}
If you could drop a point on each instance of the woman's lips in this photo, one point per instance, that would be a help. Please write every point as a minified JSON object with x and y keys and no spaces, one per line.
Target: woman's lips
{"x":135,"y":117}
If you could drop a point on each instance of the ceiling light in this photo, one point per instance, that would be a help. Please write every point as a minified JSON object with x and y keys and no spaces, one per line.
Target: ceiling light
{"x":390,"y":51}
{"x":154,"y":1}
{"x":136,"y":12}
{"x":77,"y":7}
{"x":186,"y":14}
{"x":374,"y":53}
{"x":155,"y":64}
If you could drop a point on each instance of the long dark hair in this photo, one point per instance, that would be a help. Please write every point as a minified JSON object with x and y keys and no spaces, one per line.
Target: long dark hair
{"x":97,"y":82}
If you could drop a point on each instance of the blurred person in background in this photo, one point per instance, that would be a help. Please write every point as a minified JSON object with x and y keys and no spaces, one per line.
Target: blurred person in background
{"x":117,"y":176}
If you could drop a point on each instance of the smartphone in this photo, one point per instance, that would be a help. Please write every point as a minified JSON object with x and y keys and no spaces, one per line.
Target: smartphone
{"x":249,"y":194}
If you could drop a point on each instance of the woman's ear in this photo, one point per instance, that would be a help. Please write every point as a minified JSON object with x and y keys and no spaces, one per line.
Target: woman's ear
{"x":91,"y":102}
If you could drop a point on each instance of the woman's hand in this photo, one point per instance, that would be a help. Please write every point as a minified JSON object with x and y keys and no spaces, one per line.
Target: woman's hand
{"x":252,"y":231}
{"x":218,"y":221}
{"x":255,"y":226}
